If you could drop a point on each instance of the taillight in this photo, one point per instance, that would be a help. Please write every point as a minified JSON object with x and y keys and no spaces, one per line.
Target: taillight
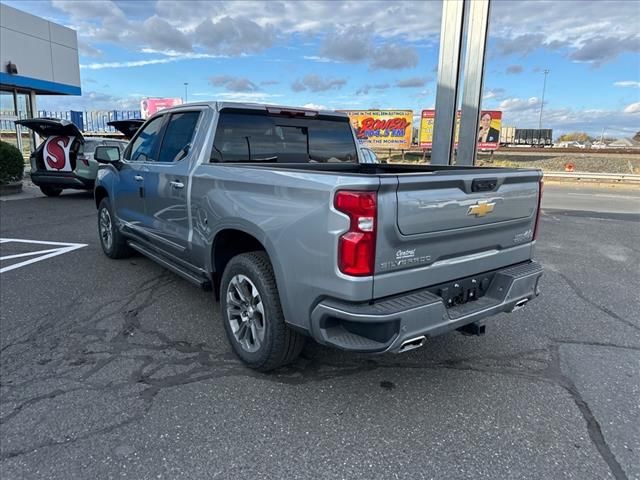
{"x":535,"y":228}
{"x":83,"y":159}
{"x":357,"y":247}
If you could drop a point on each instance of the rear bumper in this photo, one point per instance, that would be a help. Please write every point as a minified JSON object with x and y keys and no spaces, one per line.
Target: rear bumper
{"x":386,"y":324}
{"x":61,"y":180}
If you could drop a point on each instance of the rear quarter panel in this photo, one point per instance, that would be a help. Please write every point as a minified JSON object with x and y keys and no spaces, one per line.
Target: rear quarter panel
{"x":291,"y":213}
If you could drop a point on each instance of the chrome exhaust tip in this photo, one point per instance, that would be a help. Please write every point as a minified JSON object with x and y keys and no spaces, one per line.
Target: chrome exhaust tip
{"x":412,"y":344}
{"x":520,"y":304}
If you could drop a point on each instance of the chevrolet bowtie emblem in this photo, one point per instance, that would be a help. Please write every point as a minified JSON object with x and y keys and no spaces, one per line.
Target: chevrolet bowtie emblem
{"x":482,"y":208}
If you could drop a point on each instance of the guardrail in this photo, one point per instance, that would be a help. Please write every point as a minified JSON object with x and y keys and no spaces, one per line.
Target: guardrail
{"x":595,"y":177}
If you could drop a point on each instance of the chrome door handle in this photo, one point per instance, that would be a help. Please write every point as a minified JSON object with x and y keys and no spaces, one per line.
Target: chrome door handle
{"x":138,"y":178}
{"x":176,"y":184}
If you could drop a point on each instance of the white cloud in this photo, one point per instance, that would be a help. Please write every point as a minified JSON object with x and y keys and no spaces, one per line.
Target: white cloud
{"x":627,"y":83}
{"x":249,"y":97}
{"x":90,"y":101}
{"x":378,"y":31}
{"x":493,"y":93}
{"x":316,"y":83}
{"x":170,"y":58}
{"x":315,"y":106}
{"x":315,"y":58}
{"x":524,"y":113}
{"x":632,"y":108}
{"x":588,"y":31}
{"x":519,"y":104}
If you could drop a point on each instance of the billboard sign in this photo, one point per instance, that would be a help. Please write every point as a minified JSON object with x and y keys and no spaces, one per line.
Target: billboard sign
{"x":382,"y":129}
{"x":149,"y":106}
{"x":488,"y":129}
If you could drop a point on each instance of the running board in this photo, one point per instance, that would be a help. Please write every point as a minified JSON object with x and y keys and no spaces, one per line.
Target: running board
{"x":203,"y":283}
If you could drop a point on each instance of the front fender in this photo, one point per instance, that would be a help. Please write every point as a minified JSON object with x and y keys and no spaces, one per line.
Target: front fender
{"x":107,"y":179}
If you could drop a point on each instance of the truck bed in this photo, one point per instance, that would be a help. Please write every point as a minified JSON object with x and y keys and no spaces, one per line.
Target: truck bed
{"x":348,"y":168}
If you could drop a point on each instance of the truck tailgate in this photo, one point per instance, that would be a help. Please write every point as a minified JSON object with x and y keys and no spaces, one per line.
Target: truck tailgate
{"x":451,"y":224}
{"x":441,"y":206}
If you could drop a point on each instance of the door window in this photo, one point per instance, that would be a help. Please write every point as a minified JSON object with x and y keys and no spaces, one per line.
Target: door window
{"x":142,"y":148}
{"x":178,"y":136}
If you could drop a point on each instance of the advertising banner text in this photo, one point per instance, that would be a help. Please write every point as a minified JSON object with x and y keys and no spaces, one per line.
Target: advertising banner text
{"x":488,"y":129}
{"x":383,"y":129}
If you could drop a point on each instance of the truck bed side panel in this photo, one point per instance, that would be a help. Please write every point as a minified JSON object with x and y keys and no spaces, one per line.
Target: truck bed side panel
{"x":291,"y":214}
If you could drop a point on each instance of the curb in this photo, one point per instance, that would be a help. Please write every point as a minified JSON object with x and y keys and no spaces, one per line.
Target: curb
{"x":10,"y":188}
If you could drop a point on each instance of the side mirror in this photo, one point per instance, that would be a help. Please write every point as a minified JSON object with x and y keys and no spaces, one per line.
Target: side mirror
{"x":106,"y":154}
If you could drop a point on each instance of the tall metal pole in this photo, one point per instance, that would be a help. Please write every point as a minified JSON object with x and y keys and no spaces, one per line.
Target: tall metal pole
{"x":186,"y":99}
{"x":544,"y":87}
{"x":448,"y":80}
{"x":477,"y":26}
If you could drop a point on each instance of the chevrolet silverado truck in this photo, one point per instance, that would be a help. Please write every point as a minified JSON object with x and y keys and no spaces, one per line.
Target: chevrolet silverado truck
{"x":272,"y":209}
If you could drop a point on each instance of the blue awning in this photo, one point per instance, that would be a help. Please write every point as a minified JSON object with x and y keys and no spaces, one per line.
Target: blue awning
{"x":39,"y":86}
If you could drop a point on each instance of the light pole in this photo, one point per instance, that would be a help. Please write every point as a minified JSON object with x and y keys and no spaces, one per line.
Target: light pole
{"x":186,"y":99}
{"x":544,"y":87}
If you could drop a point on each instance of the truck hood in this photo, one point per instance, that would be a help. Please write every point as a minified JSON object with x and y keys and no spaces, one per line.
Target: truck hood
{"x":47,"y":127}
{"x":127,"y":127}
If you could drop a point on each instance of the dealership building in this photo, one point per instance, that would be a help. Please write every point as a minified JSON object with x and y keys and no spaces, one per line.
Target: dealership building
{"x":37,"y":57}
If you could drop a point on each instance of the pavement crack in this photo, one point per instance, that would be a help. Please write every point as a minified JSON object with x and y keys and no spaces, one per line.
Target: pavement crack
{"x":594,"y":344}
{"x":33,"y":401}
{"x":593,"y":426}
{"x":603,"y":309}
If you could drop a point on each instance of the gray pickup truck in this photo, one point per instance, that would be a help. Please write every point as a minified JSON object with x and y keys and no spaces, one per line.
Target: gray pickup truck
{"x":271,"y":208}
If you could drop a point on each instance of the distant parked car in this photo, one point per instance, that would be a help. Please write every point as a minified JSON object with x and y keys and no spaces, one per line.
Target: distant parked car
{"x":368,"y":156}
{"x":64,"y":160}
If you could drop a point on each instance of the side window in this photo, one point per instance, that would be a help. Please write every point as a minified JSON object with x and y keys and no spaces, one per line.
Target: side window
{"x":178,"y":136}
{"x":141,"y":149}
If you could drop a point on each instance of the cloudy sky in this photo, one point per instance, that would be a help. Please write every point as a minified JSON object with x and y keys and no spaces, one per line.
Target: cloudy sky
{"x":355,"y":55}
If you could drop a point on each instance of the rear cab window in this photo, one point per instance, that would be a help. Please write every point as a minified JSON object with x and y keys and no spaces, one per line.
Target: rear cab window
{"x":248,"y":136}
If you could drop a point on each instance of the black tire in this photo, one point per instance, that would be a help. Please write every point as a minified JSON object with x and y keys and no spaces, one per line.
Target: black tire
{"x":50,"y":191}
{"x":280,"y":345}
{"x":114,"y":246}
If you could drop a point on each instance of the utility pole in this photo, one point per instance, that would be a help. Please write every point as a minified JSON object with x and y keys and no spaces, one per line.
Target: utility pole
{"x":186,"y":99}
{"x":544,"y":87}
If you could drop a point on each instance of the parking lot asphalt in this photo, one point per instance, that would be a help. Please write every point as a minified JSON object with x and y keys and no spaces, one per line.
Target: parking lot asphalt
{"x":120,"y":369}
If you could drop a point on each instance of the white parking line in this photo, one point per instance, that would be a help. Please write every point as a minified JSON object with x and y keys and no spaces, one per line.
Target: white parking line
{"x":43,"y":254}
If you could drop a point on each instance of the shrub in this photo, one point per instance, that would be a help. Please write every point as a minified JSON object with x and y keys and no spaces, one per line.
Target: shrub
{"x":11,"y":163}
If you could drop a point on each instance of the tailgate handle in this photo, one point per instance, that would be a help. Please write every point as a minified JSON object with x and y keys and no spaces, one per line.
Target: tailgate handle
{"x":484,"y":184}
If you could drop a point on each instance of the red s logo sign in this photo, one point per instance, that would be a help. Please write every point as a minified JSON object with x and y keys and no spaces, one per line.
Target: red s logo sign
{"x":55,"y":153}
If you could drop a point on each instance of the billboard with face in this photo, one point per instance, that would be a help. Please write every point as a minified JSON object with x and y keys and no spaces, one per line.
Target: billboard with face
{"x":488,"y":129}
{"x":382,"y":129}
{"x":149,"y":106}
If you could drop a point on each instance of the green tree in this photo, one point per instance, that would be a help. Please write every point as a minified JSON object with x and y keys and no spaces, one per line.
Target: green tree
{"x":11,"y":163}
{"x":576,"y":137}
